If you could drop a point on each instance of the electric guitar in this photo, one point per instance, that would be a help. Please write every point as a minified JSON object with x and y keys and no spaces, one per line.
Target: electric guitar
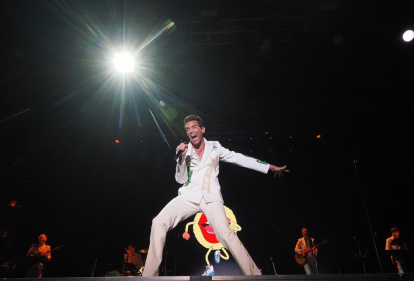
{"x":303,"y":257}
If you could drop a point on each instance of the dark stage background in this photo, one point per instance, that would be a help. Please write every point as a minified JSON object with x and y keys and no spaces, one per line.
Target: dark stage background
{"x":267,"y":76}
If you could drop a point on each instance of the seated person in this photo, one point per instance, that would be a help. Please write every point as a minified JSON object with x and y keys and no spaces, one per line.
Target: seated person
{"x":132,"y":261}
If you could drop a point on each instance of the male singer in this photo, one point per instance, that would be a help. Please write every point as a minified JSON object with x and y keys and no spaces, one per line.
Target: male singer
{"x":197,"y":169}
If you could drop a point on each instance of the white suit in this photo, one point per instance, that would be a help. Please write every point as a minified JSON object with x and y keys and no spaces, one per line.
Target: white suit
{"x":201,"y":193}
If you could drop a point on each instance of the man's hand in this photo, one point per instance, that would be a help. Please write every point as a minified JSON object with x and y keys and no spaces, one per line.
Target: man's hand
{"x":186,"y":235}
{"x":184,"y":147}
{"x":303,"y":252}
{"x":278,"y":171}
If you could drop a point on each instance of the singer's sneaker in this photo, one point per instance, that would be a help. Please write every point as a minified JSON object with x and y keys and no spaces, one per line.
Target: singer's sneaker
{"x":209,"y":271}
{"x":217,"y":256}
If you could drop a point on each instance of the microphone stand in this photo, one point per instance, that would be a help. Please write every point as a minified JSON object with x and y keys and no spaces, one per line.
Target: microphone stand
{"x":94,"y":268}
{"x":273,"y":264}
{"x":360,"y":255}
{"x":366,"y":213}
{"x":315,"y":262}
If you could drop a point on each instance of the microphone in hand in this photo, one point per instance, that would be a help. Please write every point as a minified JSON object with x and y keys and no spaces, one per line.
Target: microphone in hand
{"x":178,"y":155}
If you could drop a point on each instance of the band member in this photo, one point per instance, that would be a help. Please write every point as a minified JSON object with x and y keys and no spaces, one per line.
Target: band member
{"x":197,"y":169}
{"x":40,"y":253}
{"x":132,"y":261}
{"x":305,"y":248}
{"x":395,"y":243}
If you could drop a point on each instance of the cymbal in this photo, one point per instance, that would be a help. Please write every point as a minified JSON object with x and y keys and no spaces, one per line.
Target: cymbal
{"x":143,"y":251}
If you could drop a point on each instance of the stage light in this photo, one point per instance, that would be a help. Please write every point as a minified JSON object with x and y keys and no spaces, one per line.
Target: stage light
{"x":124,"y":62}
{"x":13,"y":203}
{"x":116,"y":141}
{"x":408,"y":35}
{"x":318,"y":136}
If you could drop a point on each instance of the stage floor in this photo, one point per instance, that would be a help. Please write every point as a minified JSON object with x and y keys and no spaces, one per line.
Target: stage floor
{"x":319,"y":277}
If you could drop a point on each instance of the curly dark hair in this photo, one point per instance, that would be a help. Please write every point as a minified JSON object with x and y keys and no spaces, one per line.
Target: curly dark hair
{"x":193,"y":117}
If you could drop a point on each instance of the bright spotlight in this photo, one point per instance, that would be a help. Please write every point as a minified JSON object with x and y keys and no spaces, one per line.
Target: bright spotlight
{"x":124,"y":62}
{"x":408,"y":35}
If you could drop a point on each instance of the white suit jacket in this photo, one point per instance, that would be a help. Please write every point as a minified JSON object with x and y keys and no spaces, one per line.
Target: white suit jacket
{"x":200,"y":178}
{"x":301,"y":245}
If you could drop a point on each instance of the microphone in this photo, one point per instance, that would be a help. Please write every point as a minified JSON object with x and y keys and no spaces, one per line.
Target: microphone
{"x":178,"y":155}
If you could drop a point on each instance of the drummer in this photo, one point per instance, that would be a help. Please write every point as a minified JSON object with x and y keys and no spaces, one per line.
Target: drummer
{"x":132,"y":261}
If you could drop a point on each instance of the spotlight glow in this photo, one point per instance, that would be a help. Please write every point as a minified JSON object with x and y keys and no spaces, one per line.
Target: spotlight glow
{"x":408,"y":35}
{"x":124,"y":62}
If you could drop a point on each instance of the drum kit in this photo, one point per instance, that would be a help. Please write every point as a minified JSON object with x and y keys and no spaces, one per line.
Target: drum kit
{"x":127,"y":269}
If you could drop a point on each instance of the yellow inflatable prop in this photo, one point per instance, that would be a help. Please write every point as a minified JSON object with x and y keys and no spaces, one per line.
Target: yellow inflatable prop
{"x":206,"y":236}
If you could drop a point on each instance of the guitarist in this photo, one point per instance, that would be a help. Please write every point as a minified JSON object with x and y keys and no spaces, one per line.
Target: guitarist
{"x":39,"y":253}
{"x":306,"y":251}
{"x":396,"y":243}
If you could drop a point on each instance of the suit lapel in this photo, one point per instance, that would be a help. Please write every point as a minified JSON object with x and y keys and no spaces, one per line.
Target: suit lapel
{"x":207,"y":150}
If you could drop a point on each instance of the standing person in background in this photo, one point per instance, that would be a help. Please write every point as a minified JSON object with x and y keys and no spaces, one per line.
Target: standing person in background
{"x":306,"y":252}
{"x":39,"y":253}
{"x":395,"y":243}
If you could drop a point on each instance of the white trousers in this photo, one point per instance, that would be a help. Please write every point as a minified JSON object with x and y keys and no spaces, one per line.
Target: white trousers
{"x":180,"y":209}
{"x":311,"y":266}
